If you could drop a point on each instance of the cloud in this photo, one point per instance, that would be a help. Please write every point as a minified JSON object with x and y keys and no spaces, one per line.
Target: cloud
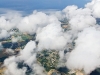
{"x":51,"y":37}
{"x":94,"y":6}
{"x":82,"y":34}
{"x":4,"y":34}
{"x":80,"y":19}
{"x":1,"y":47}
{"x":28,"y":57}
{"x":9,"y":20}
{"x":12,"y":69}
{"x":86,"y":54}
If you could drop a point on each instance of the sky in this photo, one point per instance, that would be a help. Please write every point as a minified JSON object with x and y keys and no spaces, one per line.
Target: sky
{"x":30,"y":5}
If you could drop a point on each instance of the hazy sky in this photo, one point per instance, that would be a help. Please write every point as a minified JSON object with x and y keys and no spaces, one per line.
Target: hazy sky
{"x":27,"y":5}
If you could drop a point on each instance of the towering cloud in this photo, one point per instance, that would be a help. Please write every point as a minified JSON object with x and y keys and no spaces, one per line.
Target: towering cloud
{"x":79,"y":18}
{"x":27,"y":56}
{"x":94,"y":6}
{"x":51,"y":37}
{"x":31,"y":23}
{"x":9,"y":20}
{"x":4,"y":34}
{"x":86,"y":54}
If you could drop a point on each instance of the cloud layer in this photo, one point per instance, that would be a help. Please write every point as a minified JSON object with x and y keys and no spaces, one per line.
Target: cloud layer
{"x":82,"y":35}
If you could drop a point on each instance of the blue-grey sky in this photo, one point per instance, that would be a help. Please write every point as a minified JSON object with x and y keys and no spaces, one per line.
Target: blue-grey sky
{"x":28,"y":5}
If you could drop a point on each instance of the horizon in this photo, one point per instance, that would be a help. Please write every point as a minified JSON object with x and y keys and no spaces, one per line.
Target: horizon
{"x":30,"y":5}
